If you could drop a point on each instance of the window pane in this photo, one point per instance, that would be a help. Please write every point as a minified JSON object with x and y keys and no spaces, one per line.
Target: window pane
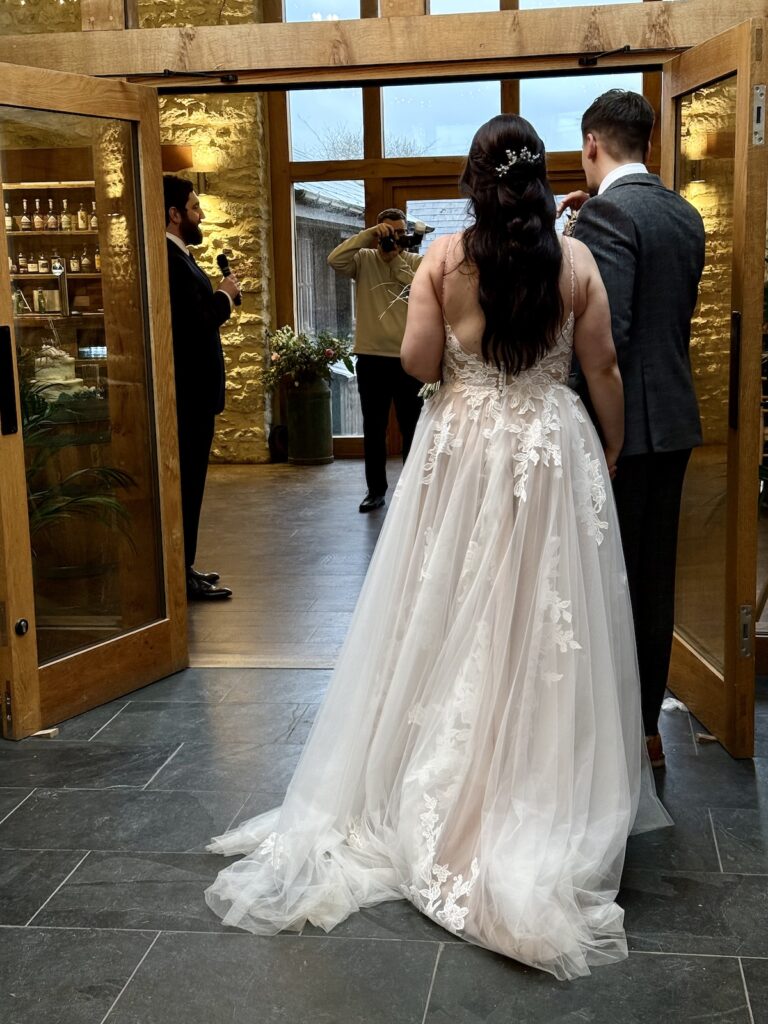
{"x":554,"y":105}
{"x":531,"y":5}
{"x":436,"y":120}
{"x":325,"y":213}
{"x":462,"y":6}
{"x":326,"y":124}
{"x":321,"y":10}
{"x":443,"y":216}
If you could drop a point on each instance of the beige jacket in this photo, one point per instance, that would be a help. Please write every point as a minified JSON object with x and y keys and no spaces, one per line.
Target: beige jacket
{"x":380,"y":304}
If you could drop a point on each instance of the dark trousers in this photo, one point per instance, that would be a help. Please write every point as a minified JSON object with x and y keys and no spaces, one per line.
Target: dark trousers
{"x":195,"y":440}
{"x":648,"y":489}
{"x":381,"y":380}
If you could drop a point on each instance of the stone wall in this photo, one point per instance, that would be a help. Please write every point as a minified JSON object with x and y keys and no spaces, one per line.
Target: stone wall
{"x":18,"y":18}
{"x":707,"y":146}
{"x":170,"y":13}
{"x":227,"y":133}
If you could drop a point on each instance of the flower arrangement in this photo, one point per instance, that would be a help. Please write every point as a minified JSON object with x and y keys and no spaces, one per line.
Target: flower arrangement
{"x":296,"y":358}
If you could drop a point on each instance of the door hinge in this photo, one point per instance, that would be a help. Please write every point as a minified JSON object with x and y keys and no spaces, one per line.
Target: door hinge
{"x":758,"y":115}
{"x":8,"y":710}
{"x":746,"y":613}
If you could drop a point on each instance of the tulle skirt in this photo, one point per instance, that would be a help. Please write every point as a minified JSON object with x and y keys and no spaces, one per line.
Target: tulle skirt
{"x":480,"y":750}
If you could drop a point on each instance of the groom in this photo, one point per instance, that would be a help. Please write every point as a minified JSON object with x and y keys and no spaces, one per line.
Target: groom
{"x":648,"y":243}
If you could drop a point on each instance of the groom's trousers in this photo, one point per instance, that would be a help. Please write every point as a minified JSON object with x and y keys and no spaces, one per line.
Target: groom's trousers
{"x":648,"y":489}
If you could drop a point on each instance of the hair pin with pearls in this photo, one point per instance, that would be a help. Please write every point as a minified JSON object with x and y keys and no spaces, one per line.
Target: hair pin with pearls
{"x":524,"y":156}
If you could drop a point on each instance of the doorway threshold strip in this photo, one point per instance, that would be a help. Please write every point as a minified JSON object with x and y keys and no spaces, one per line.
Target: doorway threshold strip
{"x":261,"y":661}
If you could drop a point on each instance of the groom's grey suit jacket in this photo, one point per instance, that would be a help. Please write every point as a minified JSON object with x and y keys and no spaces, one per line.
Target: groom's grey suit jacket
{"x":648,"y":243}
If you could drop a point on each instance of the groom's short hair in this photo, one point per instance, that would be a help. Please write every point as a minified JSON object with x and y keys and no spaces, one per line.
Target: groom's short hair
{"x":622,"y":120}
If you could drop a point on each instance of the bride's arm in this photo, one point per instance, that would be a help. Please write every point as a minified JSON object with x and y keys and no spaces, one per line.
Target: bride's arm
{"x":594,"y":349}
{"x":422,"y":350}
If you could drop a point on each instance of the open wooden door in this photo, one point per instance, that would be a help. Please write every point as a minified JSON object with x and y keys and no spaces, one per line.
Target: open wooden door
{"x":92,"y":601}
{"x":714,"y":152}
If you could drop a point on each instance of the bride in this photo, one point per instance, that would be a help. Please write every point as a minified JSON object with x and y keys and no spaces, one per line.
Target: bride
{"x":480,"y":750}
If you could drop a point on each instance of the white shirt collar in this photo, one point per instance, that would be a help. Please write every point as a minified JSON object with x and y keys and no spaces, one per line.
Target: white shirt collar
{"x":178,"y":241}
{"x":620,"y":172}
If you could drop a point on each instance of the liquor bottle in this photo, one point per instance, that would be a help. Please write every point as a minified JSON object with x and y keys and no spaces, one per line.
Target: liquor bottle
{"x":74,"y":263}
{"x":32,"y":265}
{"x":85,"y":261}
{"x":26,"y":223}
{"x":82,"y":219}
{"x":66,"y":217}
{"x":44,"y":265}
{"x":97,"y":260}
{"x":52,"y":221}
{"x":8,"y":218}
{"x":22,"y":263}
{"x":38,"y":221}
{"x":40,"y":303}
{"x":94,"y":221}
{"x":57,"y":264}
{"x":19,"y":305}
{"x":12,"y":266}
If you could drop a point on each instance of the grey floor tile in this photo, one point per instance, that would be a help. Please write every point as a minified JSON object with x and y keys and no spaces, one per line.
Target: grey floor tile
{"x":119,"y":820}
{"x":742,"y":839}
{"x":756,"y":977}
{"x":28,"y":877}
{"x":161,"y":722}
{"x":78,"y":765}
{"x":688,"y":846}
{"x":230,"y":766}
{"x":138,"y":891}
{"x":713,"y":779}
{"x":397,"y":919}
{"x":82,"y":727}
{"x":63,"y":977}
{"x":279,"y":685}
{"x":192,"y":685}
{"x":695,"y":912}
{"x":299,"y":734}
{"x":473,"y":986}
{"x":201,"y":979}
{"x":10,"y":798}
{"x":258,"y":803}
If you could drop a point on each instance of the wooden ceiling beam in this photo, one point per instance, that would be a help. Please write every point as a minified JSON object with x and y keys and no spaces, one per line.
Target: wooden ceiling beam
{"x":383,"y":47}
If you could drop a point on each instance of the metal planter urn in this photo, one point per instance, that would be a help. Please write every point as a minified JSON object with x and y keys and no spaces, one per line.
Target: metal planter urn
{"x":310,"y":434}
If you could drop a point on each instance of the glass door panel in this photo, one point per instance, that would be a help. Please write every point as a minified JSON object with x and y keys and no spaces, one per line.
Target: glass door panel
{"x":74,"y":242}
{"x":705,"y":177}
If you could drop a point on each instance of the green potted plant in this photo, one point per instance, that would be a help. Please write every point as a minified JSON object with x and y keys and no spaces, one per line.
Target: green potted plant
{"x":302,"y":365}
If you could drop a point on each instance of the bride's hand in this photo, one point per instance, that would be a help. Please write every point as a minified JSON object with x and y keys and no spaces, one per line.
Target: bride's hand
{"x":573,"y":201}
{"x":611,"y":458}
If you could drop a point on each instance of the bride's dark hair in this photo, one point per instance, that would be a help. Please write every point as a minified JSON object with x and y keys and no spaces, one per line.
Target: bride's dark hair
{"x":513,"y":244}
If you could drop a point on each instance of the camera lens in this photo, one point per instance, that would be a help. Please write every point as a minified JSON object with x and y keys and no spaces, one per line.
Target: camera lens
{"x":387,"y":244}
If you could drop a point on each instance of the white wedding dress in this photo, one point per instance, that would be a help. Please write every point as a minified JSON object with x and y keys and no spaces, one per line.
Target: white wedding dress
{"x":480,"y":750}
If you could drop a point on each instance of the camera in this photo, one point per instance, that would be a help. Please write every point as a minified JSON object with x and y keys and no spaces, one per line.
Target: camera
{"x":410,"y":242}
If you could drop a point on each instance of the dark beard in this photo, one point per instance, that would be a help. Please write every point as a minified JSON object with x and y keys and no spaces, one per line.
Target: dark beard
{"x":191,"y":234}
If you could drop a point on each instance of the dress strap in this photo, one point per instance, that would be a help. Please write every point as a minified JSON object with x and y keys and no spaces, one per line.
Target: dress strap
{"x":569,"y":245}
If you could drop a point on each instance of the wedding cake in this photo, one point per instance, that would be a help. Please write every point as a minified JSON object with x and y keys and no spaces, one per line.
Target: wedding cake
{"x":56,"y":371}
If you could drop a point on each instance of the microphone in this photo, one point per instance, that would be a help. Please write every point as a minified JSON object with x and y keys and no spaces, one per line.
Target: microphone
{"x":226,"y":270}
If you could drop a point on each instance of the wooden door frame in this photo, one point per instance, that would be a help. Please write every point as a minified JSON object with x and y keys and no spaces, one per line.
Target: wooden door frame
{"x":724,"y":702}
{"x":80,"y":680}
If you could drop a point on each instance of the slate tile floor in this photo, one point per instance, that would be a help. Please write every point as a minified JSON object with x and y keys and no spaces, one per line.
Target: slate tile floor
{"x":102,"y":868}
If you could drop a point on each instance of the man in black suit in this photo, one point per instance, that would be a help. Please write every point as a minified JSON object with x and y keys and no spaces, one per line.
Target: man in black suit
{"x":649,"y":245}
{"x":197,"y":312}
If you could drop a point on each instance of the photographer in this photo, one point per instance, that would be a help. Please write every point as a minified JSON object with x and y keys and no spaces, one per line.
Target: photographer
{"x":376,"y":259}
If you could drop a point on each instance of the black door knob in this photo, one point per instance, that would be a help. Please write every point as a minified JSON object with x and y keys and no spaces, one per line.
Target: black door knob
{"x":22,"y":627}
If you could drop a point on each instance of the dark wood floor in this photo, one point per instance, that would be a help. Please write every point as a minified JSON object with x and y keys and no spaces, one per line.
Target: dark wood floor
{"x":292,"y":546}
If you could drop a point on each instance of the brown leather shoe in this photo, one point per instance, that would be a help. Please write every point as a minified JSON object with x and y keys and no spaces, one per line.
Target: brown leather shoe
{"x":655,"y":751}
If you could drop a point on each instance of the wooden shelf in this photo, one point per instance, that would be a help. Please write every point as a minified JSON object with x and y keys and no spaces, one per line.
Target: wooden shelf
{"x":31,"y":319}
{"x":52,"y":234}
{"x":18,"y":186}
{"x":84,"y":274}
{"x":34,"y":277}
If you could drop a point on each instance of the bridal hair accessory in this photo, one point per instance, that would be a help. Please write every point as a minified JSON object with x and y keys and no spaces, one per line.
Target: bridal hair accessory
{"x":524,"y":156}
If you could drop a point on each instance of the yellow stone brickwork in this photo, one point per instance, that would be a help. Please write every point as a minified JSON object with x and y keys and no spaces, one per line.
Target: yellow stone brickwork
{"x":169,"y":13}
{"x":707,"y":145}
{"x":17,"y":18}
{"x":227,"y":136}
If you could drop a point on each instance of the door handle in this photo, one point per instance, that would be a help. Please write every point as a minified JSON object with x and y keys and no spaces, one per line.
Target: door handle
{"x":9,"y":418}
{"x":735,"y":366}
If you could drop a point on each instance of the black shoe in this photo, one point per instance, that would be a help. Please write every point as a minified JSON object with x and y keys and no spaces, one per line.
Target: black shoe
{"x":202,"y":590}
{"x":371,"y":501}
{"x":208,"y":577}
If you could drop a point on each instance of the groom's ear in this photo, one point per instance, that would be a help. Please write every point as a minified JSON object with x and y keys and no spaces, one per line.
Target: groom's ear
{"x":590,"y":146}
